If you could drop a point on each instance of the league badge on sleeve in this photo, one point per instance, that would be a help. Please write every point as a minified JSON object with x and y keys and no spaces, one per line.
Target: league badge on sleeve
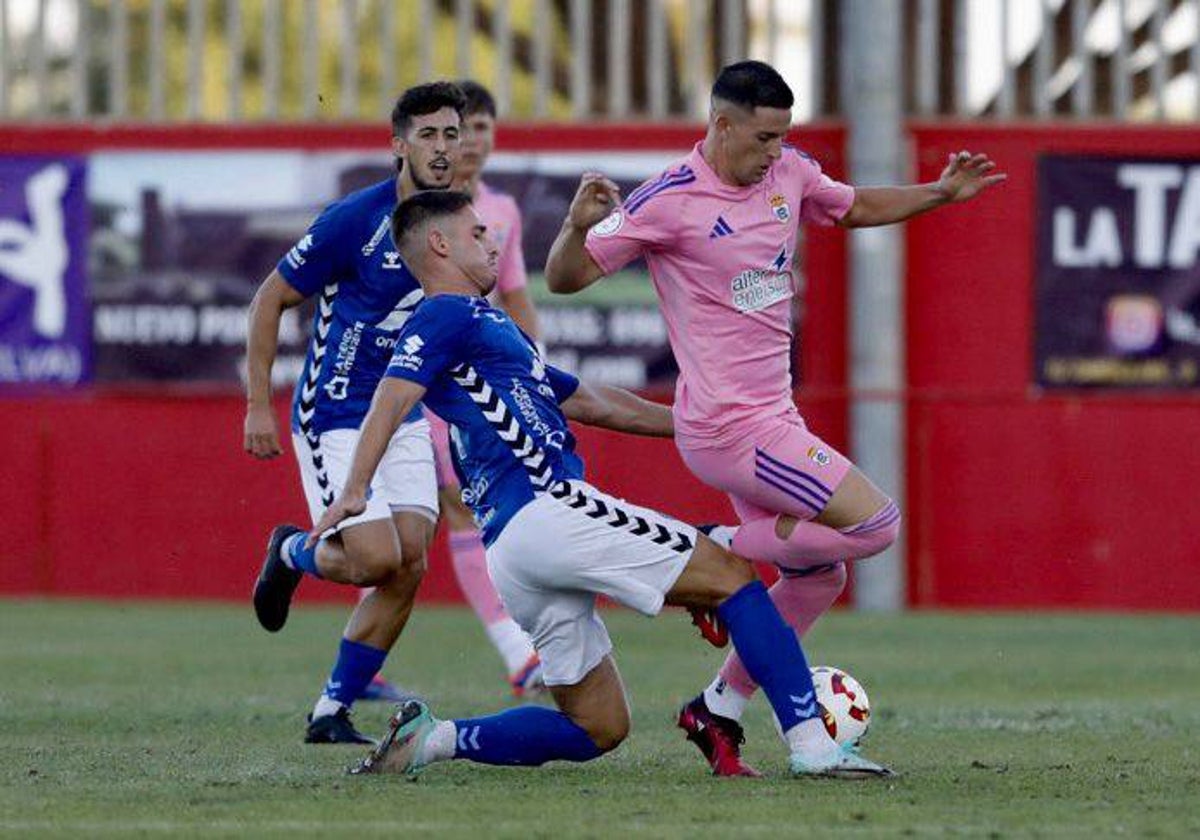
{"x":609,"y":225}
{"x":779,"y":207}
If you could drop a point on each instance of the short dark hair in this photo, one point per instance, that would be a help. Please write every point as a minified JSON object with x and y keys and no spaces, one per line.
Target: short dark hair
{"x":753,"y":84}
{"x":423,"y":207}
{"x":425,"y":99}
{"x":479,"y":99}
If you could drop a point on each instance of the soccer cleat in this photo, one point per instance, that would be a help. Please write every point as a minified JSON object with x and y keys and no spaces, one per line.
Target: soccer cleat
{"x":719,"y":738}
{"x":711,"y":626}
{"x":400,"y":746}
{"x":845,"y":764}
{"x":380,"y":690}
{"x":276,"y":582}
{"x":529,"y":680}
{"x":334,"y":729}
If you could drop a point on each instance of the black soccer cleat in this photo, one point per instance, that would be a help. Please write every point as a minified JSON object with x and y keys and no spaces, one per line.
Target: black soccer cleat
{"x":276,"y":582}
{"x":334,"y":729}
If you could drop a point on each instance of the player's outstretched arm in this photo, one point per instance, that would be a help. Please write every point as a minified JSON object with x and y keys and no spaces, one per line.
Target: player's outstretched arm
{"x":570,"y":268}
{"x":394,"y":399}
{"x":617,"y":409}
{"x":260,"y":431}
{"x":965,"y":176}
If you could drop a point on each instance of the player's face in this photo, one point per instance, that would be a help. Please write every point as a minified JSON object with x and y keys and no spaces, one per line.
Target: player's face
{"x":431,"y":149}
{"x":473,"y":251}
{"x":753,"y":141}
{"x":478,"y":139}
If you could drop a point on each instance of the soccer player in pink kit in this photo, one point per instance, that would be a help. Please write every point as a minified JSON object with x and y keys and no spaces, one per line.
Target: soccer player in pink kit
{"x":719,"y":232}
{"x":503,"y":218}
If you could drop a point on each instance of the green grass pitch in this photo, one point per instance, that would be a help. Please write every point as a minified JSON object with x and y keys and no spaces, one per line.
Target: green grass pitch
{"x":185,"y":719}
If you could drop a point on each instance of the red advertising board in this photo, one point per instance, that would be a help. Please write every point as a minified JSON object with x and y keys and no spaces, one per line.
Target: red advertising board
{"x":140,"y":491}
{"x":1020,"y":497}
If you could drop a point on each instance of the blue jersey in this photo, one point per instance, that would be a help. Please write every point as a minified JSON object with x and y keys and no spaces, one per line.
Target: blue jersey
{"x":485,"y":378}
{"x":366,"y":295}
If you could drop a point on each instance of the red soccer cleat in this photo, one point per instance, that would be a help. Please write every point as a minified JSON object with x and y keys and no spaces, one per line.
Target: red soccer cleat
{"x":719,"y":738}
{"x":710,"y":625}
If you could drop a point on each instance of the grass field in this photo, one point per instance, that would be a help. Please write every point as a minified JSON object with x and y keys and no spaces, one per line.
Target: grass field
{"x":186,"y":719}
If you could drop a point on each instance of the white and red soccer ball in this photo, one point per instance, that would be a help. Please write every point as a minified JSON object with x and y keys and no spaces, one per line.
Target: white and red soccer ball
{"x":843,"y":704}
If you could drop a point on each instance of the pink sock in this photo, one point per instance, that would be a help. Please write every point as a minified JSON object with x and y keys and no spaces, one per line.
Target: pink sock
{"x":814,"y":544}
{"x":470,"y":567}
{"x":801,"y":601}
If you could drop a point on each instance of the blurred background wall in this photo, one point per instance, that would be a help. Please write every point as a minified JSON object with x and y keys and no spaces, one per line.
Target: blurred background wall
{"x":1021,"y":372}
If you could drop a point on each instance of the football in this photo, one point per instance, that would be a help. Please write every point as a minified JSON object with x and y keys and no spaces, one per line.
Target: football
{"x":843,"y":704}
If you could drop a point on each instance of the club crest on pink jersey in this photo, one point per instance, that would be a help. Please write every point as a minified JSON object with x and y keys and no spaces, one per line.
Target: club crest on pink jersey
{"x":779,"y":207}
{"x":819,"y":456}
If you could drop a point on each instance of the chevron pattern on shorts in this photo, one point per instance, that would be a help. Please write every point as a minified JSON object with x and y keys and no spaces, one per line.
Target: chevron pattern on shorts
{"x":308,"y":389}
{"x":615,"y":517}
{"x":501,"y":419}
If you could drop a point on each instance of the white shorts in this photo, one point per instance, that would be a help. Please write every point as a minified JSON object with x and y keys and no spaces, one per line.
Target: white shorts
{"x":562,"y":550}
{"x":406,"y":478}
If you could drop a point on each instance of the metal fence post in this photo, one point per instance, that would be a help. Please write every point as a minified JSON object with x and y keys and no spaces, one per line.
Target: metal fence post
{"x":873,"y":97}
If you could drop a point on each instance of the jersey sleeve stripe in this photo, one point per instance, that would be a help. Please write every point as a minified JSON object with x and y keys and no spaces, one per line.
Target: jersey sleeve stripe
{"x":632,"y":207}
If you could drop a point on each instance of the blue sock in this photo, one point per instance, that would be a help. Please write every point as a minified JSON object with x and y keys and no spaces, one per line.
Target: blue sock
{"x":298,"y":557}
{"x":527,"y":736}
{"x":771,"y":653}
{"x":357,"y":664}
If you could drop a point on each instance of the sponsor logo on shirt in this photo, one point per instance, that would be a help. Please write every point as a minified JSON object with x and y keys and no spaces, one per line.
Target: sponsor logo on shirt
{"x":757,"y":288}
{"x":610,"y":224}
{"x":413,"y":344}
{"x":779,"y":207}
{"x":295,"y":257}
{"x":521,"y":396}
{"x":343,"y":365}
{"x":338,"y":388}
{"x":473,"y":492}
{"x":377,"y":236}
{"x":408,"y":358}
{"x":391,"y":260}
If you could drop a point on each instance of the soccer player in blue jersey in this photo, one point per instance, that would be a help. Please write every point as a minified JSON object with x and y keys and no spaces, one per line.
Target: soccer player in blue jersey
{"x":364,"y":293}
{"x":554,"y":542}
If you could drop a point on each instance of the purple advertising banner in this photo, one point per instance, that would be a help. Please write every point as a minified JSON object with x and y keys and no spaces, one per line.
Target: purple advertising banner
{"x":1118,"y":272}
{"x":45,"y":316}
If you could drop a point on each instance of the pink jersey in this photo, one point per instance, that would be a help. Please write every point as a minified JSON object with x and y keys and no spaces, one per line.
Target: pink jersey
{"x":721,"y":260}
{"x":502,"y":216}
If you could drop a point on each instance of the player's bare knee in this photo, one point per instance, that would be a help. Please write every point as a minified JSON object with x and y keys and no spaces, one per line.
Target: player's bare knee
{"x":608,"y":733}
{"x":736,"y":573}
{"x":373,"y":566}
{"x":784,"y":525}
{"x":414,"y":559}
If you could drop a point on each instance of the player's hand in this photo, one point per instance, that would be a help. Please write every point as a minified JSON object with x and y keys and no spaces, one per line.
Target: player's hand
{"x":344,"y":506}
{"x":966,"y":175}
{"x":261,"y":432}
{"x":596,"y":197}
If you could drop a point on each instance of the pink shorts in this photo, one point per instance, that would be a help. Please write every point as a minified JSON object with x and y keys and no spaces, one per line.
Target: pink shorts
{"x":439,"y":433}
{"x":781,"y":467}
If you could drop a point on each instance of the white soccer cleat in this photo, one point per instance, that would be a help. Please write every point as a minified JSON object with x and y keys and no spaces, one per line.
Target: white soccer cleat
{"x":399,"y":749}
{"x":844,"y":764}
